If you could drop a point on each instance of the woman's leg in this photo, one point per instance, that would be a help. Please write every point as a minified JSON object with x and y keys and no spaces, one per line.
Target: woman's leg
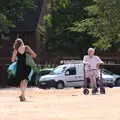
{"x":23,"y":86}
{"x":25,"y":83}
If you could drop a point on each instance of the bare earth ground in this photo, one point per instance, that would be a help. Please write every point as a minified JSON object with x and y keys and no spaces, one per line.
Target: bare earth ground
{"x":67,"y":104}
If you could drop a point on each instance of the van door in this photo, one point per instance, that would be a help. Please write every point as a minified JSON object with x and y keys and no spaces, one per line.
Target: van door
{"x":71,"y":79}
{"x":80,"y":75}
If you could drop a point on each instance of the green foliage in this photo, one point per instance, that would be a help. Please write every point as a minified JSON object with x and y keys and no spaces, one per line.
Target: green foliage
{"x":59,"y":38}
{"x":103,"y":23}
{"x":48,"y":20}
{"x":10,"y":9}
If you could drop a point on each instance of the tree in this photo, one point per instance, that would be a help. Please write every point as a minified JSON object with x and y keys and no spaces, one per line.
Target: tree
{"x":10,"y":9}
{"x":102,"y":23}
{"x":59,"y":38}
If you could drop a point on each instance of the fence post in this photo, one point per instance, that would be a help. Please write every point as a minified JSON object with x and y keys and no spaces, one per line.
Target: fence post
{"x":3,"y":76}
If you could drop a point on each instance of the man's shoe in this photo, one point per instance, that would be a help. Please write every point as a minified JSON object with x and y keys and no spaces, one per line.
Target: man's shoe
{"x":94,"y":91}
{"x":102,"y":90}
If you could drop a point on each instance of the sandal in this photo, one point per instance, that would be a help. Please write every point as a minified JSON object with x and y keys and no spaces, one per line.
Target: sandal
{"x":22,"y":98}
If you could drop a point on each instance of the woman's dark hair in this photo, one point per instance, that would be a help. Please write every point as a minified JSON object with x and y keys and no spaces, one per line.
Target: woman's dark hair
{"x":17,"y":43}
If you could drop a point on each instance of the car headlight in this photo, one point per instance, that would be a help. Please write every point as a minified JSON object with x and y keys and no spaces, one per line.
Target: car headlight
{"x":114,"y":79}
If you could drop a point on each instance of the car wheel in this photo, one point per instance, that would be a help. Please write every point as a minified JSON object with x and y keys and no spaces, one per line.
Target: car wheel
{"x":41,"y":87}
{"x":111,"y":86}
{"x":38,"y":85}
{"x":60,"y":85}
{"x":117,"y":83}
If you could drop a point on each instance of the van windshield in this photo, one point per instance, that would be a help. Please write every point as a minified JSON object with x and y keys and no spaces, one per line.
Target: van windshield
{"x":59,"y":70}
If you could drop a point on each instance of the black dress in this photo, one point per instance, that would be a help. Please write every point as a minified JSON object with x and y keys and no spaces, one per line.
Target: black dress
{"x":22,"y":70}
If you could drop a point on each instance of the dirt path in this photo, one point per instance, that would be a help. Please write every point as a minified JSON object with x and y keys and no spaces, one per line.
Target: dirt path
{"x":68,"y":104}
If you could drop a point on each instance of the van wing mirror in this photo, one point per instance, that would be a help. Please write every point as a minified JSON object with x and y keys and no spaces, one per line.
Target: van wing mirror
{"x":67,"y":73}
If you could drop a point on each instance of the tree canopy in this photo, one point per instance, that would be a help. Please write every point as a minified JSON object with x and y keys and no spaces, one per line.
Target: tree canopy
{"x":10,"y":9}
{"x":103,"y":23}
{"x":59,"y":37}
{"x":74,"y":25}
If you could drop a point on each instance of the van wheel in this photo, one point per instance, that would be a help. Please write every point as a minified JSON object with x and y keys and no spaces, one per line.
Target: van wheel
{"x":60,"y":85}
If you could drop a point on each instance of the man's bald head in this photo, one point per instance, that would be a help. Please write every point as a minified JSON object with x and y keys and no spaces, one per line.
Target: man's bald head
{"x":91,"y":51}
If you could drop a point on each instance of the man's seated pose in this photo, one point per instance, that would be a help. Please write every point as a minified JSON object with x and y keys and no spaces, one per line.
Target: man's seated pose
{"x":92,"y":64}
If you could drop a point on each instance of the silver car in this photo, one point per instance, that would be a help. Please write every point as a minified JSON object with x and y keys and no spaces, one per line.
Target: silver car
{"x":110,"y":79}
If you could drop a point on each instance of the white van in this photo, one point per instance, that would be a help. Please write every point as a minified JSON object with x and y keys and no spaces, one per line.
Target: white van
{"x":67,"y":75}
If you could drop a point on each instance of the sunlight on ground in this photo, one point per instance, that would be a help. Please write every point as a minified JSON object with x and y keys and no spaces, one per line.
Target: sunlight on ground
{"x":67,"y":104}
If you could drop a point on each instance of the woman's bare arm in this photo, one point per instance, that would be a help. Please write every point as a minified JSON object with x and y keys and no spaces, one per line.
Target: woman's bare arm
{"x":14,"y":56}
{"x":31,"y":52}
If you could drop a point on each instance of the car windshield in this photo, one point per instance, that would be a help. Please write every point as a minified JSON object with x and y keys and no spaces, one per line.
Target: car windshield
{"x":107,"y":72}
{"x":59,"y":70}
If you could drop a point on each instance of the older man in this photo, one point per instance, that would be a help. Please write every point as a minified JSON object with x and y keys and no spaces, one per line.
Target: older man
{"x":92,"y":63}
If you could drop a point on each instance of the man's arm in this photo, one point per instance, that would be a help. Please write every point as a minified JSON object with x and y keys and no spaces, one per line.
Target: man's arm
{"x":85,"y":60}
{"x":99,"y":62}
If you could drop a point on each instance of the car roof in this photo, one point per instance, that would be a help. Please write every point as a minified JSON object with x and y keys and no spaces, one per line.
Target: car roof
{"x":47,"y":69}
{"x":68,"y":65}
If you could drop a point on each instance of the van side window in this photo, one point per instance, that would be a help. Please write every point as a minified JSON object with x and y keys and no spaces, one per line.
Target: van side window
{"x":72,"y":71}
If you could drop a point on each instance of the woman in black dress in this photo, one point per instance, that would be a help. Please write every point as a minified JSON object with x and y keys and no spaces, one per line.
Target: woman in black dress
{"x":22,"y":70}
